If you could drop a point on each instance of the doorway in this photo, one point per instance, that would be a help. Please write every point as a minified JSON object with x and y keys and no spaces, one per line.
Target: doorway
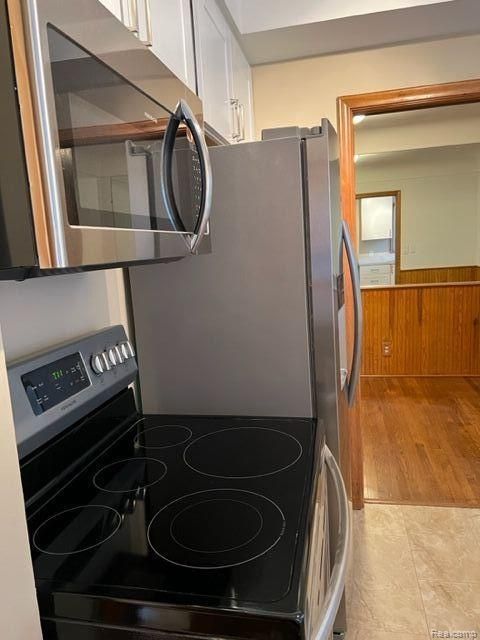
{"x":415,"y":430}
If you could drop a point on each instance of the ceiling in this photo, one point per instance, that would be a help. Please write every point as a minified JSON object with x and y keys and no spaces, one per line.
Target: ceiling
{"x":253,"y":16}
{"x":278,"y":30}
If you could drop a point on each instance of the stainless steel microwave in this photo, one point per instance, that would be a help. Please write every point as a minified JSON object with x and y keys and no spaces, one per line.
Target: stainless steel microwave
{"x":104,"y":159}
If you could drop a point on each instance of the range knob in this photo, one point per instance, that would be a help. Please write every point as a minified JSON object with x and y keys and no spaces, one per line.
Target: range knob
{"x":113,"y":356}
{"x":127,"y":350}
{"x":97,"y":364}
{"x":119,"y":354}
{"x":106,"y":362}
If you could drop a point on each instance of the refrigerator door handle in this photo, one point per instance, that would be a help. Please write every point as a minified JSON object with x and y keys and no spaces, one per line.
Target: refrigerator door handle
{"x":183,"y":113}
{"x":358,"y":310}
{"x":336,"y":584}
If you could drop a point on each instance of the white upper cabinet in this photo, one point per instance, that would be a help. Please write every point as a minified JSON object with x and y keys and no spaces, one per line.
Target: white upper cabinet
{"x":127,"y":11}
{"x":166,"y":25}
{"x":214,"y":66}
{"x":376,"y":215}
{"x":223,"y":73}
{"x":242,"y":93}
{"x":115,"y":6}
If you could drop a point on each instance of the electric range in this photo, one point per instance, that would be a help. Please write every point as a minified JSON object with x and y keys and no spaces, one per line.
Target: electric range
{"x":162,"y":526}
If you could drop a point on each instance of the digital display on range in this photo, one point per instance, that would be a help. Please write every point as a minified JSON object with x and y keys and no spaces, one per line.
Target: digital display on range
{"x":53,"y":383}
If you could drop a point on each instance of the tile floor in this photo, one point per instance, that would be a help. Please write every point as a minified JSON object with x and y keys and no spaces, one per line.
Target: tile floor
{"x":414,"y":571}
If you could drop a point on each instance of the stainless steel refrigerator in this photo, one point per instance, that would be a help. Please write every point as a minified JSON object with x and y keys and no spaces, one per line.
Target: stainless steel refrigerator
{"x":257,"y":327}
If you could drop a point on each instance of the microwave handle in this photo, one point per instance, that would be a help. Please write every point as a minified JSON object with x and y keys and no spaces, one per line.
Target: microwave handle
{"x":338,"y":575}
{"x":352,"y":383}
{"x":183,"y":113}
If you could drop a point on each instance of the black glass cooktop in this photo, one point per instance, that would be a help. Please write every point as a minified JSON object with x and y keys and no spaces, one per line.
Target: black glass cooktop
{"x":174,"y":509}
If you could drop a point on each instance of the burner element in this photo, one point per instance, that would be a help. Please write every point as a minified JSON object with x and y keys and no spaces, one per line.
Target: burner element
{"x":77,"y":529}
{"x":227,"y":525}
{"x":163,"y":437}
{"x":129,"y":475}
{"x":215,"y":529}
{"x":242,"y":452}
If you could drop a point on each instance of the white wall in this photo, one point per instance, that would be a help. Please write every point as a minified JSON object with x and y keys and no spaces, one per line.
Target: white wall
{"x":301,"y":92}
{"x":18,"y":606}
{"x":39,"y":313}
{"x":439,"y":204}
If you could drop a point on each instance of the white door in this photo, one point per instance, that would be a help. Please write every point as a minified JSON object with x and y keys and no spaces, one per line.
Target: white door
{"x":166,"y":25}
{"x":214,"y":68}
{"x":376,"y":215}
{"x":242,"y":91}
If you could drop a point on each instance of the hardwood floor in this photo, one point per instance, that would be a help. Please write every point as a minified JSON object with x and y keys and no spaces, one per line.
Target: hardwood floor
{"x":421,"y":440}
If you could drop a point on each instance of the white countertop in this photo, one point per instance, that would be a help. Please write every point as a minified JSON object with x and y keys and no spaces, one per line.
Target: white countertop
{"x":376,"y":258}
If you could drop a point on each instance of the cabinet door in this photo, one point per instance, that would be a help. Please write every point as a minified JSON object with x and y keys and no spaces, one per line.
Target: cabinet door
{"x":115,"y":6}
{"x":126,"y":11}
{"x":166,"y":26}
{"x":377,"y":217}
{"x":214,"y":68}
{"x":242,"y":91}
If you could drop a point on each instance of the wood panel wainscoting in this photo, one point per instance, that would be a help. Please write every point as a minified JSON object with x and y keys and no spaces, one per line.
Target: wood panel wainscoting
{"x":438,"y":275}
{"x":432,"y":330}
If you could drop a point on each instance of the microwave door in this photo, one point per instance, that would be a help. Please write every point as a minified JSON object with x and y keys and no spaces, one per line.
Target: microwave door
{"x":144,"y":177}
{"x":108,"y":131}
{"x":133,"y":165}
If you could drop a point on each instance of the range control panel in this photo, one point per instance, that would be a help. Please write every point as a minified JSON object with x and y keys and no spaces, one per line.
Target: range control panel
{"x":113,"y":356}
{"x":53,"y":390}
{"x":49,"y":385}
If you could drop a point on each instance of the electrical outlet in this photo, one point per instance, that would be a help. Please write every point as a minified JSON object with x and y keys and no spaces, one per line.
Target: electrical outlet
{"x":387,"y":348}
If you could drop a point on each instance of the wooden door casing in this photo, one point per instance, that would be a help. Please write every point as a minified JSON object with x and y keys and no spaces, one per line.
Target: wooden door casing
{"x":406,"y":99}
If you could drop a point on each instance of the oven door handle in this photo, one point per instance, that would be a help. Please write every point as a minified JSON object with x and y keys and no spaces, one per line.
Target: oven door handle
{"x":336,"y":584}
{"x":183,"y":113}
